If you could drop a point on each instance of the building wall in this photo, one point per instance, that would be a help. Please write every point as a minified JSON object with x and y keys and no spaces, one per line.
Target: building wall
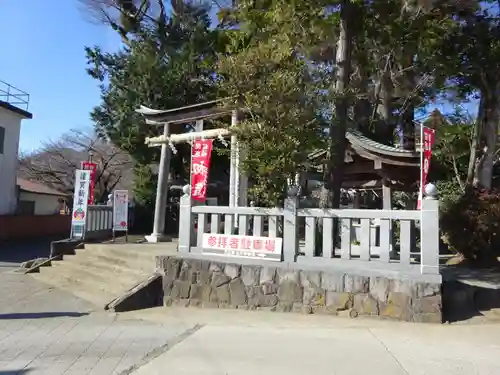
{"x":13,"y":227}
{"x":44,"y":204}
{"x":11,"y":122}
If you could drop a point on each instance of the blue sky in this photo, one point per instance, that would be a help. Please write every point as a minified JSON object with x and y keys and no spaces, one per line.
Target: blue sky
{"x":43,"y":54}
{"x":42,"y":48}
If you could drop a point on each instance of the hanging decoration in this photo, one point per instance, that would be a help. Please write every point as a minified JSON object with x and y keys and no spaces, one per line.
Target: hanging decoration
{"x":200,"y":165}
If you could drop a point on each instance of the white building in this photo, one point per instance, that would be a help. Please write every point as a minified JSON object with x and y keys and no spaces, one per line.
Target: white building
{"x":13,"y":109}
{"x":37,"y":199}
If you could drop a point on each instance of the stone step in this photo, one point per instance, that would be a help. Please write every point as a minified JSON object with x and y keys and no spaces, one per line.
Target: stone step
{"x":68,"y":272}
{"x":85,"y":291}
{"x":108,"y":261}
{"x":133,"y":252}
{"x":115,"y":279}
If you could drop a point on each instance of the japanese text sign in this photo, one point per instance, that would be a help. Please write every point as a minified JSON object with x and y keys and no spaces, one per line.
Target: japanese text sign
{"x":200,"y":165}
{"x":92,"y":167}
{"x":427,"y":143}
{"x":120,"y":210}
{"x":80,"y":201}
{"x":242,"y":246}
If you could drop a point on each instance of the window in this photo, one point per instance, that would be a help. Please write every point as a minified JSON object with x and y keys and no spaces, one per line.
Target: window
{"x":2,"y":139}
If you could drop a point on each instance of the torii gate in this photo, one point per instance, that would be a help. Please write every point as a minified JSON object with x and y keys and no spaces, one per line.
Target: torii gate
{"x":238,"y":182}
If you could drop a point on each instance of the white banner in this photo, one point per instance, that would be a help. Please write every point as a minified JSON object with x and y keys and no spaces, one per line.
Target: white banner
{"x":242,"y":246}
{"x":80,"y":201}
{"x":120,"y":210}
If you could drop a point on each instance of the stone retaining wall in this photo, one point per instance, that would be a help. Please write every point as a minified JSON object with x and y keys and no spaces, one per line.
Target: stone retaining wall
{"x":204,"y":283}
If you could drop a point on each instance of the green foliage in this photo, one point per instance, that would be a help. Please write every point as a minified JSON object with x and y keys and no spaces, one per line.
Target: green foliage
{"x":471,"y":226}
{"x":165,"y":65}
{"x":265,"y":68}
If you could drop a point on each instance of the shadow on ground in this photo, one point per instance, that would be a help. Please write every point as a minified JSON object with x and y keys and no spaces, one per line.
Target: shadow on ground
{"x":15,"y":372}
{"x":469,"y":293}
{"x":41,"y":315}
{"x":13,"y":253}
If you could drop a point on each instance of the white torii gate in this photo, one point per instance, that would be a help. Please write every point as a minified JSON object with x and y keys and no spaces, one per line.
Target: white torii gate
{"x":238,"y":182}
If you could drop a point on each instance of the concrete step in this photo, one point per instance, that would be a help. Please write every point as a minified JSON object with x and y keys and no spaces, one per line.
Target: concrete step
{"x":109,"y":261}
{"x":70,"y":273}
{"x":115,"y":279}
{"x":100,"y":273}
{"x":87,"y":292}
{"x":134,"y":252}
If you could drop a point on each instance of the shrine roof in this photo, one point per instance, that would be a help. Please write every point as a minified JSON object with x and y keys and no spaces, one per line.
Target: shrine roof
{"x":373,"y":150}
{"x":200,"y":111}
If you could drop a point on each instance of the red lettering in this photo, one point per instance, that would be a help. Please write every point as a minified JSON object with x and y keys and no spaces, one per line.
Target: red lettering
{"x":222,"y":242}
{"x":233,"y":242}
{"x":270,"y":245}
{"x":257,"y":244}
{"x":246,"y":243}
{"x":212,"y":241}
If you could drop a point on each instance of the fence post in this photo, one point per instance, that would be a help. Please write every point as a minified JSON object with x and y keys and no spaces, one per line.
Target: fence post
{"x":290,"y":243}
{"x":185,"y":222}
{"x":429,"y":231}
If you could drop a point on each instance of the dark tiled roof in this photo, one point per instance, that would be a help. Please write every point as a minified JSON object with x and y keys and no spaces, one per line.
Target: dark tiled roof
{"x":36,"y":188}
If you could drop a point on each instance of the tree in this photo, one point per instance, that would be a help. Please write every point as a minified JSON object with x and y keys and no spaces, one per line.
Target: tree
{"x":167,"y":64}
{"x":266,"y":69}
{"x":55,"y":163}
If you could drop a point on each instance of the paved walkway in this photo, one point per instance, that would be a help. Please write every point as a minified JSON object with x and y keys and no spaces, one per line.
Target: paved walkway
{"x":248,"y":343}
{"x":47,"y":331}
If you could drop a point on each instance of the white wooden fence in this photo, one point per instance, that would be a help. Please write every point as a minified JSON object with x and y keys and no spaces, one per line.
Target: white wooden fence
{"x":366,"y":238}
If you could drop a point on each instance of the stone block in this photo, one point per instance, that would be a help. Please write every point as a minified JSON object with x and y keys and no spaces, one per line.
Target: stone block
{"x":356,"y":284}
{"x":219,"y":278}
{"x":428,"y":289}
{"x":181,"y":303}
{"x":232,"y":270}
{"x":428,"y":305}
{"x":332,"y":281}
{"x":428,"y":318}
{"x":184,"y":274}
{"x":379,"y":288}
{"x":216,"y":267}
{"x":172,"y":267}
{"x":310,"y":279}
{"x":238,"y":293}
{"x":180,"y":289}
{"x":254,"y":295}
{"x":167,"y":286}
{"x":196,"y":291}
{"x":222,"y":294}
{"x":284,"y":307}
{"x":269,"y":288}
{"x":313,"y":296}
{"x":268,"y":275}
{"x":338,"y":301}
{"x":398,"y":306}
{"x":408,"y":287}
{"x":364,"y":304}
{"x":290,"y":292}
{"x":288,"y":275}
{"x":250,"y":275}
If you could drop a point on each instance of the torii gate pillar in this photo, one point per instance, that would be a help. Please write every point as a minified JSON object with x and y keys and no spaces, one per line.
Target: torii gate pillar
{"x":161,"y":193}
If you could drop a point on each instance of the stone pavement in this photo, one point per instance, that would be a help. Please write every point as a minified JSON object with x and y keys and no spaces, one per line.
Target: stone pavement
{"x":233,"y":342}
{"x":47,"y":331}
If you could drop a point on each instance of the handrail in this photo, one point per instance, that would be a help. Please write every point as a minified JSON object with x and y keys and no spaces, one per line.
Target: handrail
{"x":14,"y":96}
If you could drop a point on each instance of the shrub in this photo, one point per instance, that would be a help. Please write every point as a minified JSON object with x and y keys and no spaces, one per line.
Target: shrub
{"x":471,"y":225}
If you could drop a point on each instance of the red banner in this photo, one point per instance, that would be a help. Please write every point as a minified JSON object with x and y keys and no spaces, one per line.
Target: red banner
{"x":200,"y":165}
{"x":427,"y":143}
{"x":92,"y":167}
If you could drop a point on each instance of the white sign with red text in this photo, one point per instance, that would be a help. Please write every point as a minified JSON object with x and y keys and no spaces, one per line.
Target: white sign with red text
{"x":242,"y":246}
